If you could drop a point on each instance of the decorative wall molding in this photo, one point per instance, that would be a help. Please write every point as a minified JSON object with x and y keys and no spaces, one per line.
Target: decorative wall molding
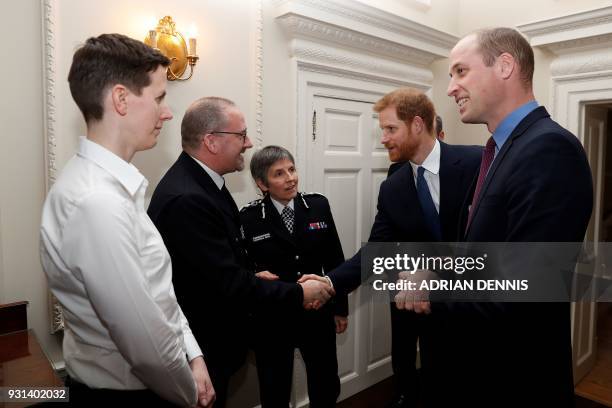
{"x":582,"y":67}
{"x":301,"y":27}
{"x":332,"y":59}
{"x":369,"y":20}
{"x":582,"y":63}
{"x":350,"y":25}
{"x":49,"y":8}
{"x":360,"y":76}
{"x":259,"y":76}
{"x":571,"y":33}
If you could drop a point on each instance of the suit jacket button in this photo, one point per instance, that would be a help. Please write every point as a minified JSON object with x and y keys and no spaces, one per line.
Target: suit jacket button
{"x":299,"y":274}
{"x":297,"y":257}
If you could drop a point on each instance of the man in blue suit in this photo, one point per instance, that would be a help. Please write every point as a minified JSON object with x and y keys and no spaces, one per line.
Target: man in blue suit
{"x":420,"y":201}
{"x":534,"y":185}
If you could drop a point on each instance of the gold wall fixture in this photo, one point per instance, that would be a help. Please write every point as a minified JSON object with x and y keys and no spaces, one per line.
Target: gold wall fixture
{"x":171,"y":43}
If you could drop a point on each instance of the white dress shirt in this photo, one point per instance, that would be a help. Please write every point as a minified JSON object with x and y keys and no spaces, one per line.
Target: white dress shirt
{"x":280,"y":207}
{"x":216,"y":177}
{"x":431,"y":174}
{"x":107,"y":265}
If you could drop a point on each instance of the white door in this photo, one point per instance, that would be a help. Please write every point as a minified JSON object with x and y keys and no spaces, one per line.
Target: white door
{"x":346,"y":162}
{"x":584,"y":313}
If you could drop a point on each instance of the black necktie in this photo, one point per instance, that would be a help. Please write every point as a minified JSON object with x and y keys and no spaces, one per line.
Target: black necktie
{"x":432,"y":218}
{"x":288,"y":218}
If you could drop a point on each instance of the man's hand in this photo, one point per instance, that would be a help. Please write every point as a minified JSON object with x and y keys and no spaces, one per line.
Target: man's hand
{"x":266,"y":275}
{"x":206,"y":392}
{"x":305,"y":278}
{"x":416,"y":300}
{"x":341,"y":324}
{"x":316,"y":291}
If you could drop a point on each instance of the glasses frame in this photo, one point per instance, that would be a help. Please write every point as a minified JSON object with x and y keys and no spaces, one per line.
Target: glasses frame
{"x":242,"y":134}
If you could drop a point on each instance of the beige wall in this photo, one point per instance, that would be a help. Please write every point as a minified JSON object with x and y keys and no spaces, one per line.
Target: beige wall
{"x":278,"y":108}
{"x":22,"y":162}
{"x":439,"y":14}
{"x":226,"y":32}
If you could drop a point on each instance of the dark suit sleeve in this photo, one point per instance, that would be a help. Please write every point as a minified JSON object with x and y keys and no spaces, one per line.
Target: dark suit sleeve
{"x":550,"y":196}
{"x":334,"y":256}
{"x":195,"y":232}
{"x":347,"y":277}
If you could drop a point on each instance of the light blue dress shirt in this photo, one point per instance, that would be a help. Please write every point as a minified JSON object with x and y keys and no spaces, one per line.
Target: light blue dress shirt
{"x":510,"y":122}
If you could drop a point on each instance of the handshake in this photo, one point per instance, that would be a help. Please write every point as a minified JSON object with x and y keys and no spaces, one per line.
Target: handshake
{"x":317,"y":289}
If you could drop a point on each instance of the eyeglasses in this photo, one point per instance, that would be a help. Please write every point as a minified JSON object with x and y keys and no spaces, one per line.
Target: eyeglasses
{"x":242,"y":134}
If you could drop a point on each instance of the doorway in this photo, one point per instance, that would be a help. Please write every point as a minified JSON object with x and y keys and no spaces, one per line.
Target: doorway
{"x":593,"y":342}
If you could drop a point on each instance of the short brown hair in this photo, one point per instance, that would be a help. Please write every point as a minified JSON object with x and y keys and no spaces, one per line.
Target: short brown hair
{"x":263,"y":159}
{"x":492,"y":42}
{"x":409,"y":103}
{"x":105,"y":61}
{"x":203,"y":116}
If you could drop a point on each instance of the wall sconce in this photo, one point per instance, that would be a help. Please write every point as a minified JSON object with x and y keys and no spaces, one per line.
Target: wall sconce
{"x":171,"y":43}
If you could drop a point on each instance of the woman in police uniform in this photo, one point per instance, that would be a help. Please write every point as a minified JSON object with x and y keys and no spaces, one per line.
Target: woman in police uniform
{"x":288,"y":234}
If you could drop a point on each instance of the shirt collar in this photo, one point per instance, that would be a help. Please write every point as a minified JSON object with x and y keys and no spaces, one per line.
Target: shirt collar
{"x":431,"y":162}
{"x":510,"y":122}
{"x":126,"y":173}
{"x":280,"y":207}
{"x":216,"y":177}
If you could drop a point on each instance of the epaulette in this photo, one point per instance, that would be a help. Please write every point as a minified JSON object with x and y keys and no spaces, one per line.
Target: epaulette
{"x":253,"y":203}
{"x":302,"y":195}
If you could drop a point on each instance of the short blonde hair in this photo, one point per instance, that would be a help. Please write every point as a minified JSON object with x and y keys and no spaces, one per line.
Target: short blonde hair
{"x":493,"y":42}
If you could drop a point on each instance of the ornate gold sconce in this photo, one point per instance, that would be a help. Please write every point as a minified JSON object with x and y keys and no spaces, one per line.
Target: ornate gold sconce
{"x":172,"y":44}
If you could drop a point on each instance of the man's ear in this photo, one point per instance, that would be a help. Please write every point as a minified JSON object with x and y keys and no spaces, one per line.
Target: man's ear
{"x":119,"y":94}
{"x":417,"y":126}
{"x":210,"y":142}
{"x":506,"y":65}
{"x":262,"y":186}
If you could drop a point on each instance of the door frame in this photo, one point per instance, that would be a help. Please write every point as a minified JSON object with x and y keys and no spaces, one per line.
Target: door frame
{"x":570,"y":96}
{"x":314,"y":81}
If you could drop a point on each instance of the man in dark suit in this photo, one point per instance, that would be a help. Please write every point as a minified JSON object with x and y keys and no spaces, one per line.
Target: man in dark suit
{"x":534,"y":185}
{"x":440,"y":135}
{"x":403,"y":330}
{"x":200,"y":224}
{"x":434,"y":183}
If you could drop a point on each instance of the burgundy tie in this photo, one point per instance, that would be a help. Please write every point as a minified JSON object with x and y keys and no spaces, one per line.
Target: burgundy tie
{"x":487,"y":158}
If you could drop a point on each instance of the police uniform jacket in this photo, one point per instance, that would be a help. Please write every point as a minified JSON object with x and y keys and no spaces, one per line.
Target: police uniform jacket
{"x":313,"y":248}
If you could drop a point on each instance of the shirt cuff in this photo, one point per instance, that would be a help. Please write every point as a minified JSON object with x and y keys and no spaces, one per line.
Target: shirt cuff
{"x":329,"y":281}
{"x":191,"y":347}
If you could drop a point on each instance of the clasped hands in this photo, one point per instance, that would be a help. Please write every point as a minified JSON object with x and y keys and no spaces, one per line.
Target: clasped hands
{"x":416,"y":300}
{"x":317,"y":290}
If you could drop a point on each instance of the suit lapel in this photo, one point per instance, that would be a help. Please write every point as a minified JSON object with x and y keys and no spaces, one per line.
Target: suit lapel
{"x":450,"y":175}
{"x":230,"y":206}
{"x":224,"y":199}
{"x":520,"y":129}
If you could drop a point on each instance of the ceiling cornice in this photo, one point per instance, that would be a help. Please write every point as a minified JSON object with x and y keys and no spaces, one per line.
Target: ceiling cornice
{"x":353,"y":25}
{"x":577,"y":32}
